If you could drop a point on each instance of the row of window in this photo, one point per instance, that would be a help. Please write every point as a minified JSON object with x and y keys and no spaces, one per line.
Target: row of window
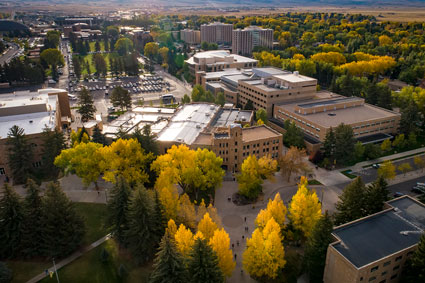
{"x":254,"y":97}
{"x":258,"y":151}
{"x":299,"y":120}
{"x":372,"y":131}
{"x":373,"y":124}
{"x":258,"y":144}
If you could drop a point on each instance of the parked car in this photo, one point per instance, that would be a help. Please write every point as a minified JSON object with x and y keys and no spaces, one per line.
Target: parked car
{"x":398,"y":194}
{"x":376,"y":165}
{"x":418,"y":190}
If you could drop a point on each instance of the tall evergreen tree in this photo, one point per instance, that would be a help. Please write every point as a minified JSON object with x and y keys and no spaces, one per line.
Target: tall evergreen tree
{"x":32,"y":231}
{"x":329,"y":144}
{"x":168,"y":264}
{"x":53,"y":143}
{"x":118,"y":202}
{"x":141,"y":235}
{"x":5,"y":273}
{"x":203,"y":264}
{"x":376,"y":194}
{"x":86,"y":103}
{"x":146,"y":139}
{"x":97,"y":136}
{"x":11,"y":222}
{"x":20,"y":155}
{"x":121,"y":98}
{"x":344,"y":144}
{"x":317,"y":247}
{"x":63,"y":228}
{"x":351,"y":204}
{"x":414,"y":269}
{"x":159,"y":215}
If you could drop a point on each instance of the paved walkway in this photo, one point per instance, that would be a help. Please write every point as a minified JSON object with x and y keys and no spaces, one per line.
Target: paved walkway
{"x":69,"y":259}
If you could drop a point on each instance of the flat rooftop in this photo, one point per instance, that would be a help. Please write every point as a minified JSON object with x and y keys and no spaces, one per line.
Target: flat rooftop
{"x":227,"y":117}
{"x":348,"y":116}
{"x":329,"y":102}
{"x":220,"y":54}
{"x":264,"y":72}
{"x":374,"y":237}
{"x":188,"y":122}
{"x":259,"y":132}
{"x":294,"y":78}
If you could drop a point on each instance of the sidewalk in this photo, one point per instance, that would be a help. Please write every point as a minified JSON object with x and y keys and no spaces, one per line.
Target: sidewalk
{"x":70,"y":259}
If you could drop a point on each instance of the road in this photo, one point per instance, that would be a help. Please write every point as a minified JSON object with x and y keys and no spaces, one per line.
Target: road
{"x":10,"y":53}
{"x":370,"y":174}
{"x":405,"y":187}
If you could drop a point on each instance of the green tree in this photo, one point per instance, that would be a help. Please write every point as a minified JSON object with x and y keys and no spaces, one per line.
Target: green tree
{"x":186,"y":99}
{"x":261,"y":114}
{"x":399,"y":142}
{"x":344,"y":144}
{"x":11,"y":222}
{"x":118,"y":202}
{"x":53,"y":57}
{"x":77,"y":66}
{"x":293,"y":135}
{"x":112,"y":32}
{"x":414,"y":269}
{"x":220,"y":99}
{"x":386,"y":145}
{"x":5,"y":273}
{"x":53,"y":144}
{"x":100,"y":65}
{"x":203,"y":264}
{"x":147,"y":139}
{"x":141,"y":235}
{"x":97,"y":46}
{"x":351,"y":203}
{"x":20,"y":155}
{"x":249,"y":105}
{"x":329,"y":144}
{"x":120,"y":98}
{"x":151,"y":49}
{"x":168,"y":264}
{"x":97,"y":136}
{"x":359,"y":150}
{"x":32,"y":232}
{"x":123,"y":46}
{"x":52,"y":39}
{"x":86,"y":104}
{"x":376,"y":195}
{"x":63,"y":228}
{"x":410,"y":118}
{"x":317,"y":247}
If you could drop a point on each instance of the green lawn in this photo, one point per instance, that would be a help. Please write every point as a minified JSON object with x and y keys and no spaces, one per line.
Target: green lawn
{"x":348,"y":174}
{"x":94,"y":218}
{"x":90,"y":268}
{"x":314,"y":182}
{"x":93,"y":43}
{"x":89,"y":58}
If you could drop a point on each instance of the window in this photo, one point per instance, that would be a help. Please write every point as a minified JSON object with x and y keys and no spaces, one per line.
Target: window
{"x":372,"y":278}
{"x":387,"y":263}
{"x":2,"y":171}
{"x":236,"y":143}
{"x":361,"y":278}
{"x":374,"y":269}
{"x":398,"y":258}
{"x":383,"y":281}
{"x":396,"y":267}
{"x":384,"y":273}
{"x":236,"y":150}
{"x":394,"y":276}
{"x":36,"y":164}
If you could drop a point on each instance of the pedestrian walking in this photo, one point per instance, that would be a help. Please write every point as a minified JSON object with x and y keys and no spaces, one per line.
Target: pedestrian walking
{"x":237,"y":243}
{"x":245,"y":219}
{"x":243,"y":237}
{"x":233,"y":245}
{"x":235,"y":256}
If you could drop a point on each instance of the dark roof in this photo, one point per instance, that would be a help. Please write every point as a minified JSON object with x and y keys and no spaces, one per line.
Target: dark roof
{"x":328,"y":102}
{"x":372,"y":238}
{"x":6,"y":25}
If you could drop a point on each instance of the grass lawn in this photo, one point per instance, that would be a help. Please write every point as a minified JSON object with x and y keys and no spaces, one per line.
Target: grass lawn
{"x":94,"y":218}
{"x":93,"y":43}
{"x":314,"y":182}
{"x":348,"y":174}
{"x":90,"y":268}
{"x":89,"y":58}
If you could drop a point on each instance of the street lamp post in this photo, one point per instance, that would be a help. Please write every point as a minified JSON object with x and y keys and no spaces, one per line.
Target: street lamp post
{"x":56,"y":271}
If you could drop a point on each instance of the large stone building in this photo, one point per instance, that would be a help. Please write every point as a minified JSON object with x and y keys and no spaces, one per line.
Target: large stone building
{"x":291,"y":96}
{"x":217,"y":33}
{"x":245,"y":40}
{"x":32,"y":111}
{"x":204,"y":125}
{"x":190,"y":36}
{"x":375,"y":248}
{"x":217,"y":60}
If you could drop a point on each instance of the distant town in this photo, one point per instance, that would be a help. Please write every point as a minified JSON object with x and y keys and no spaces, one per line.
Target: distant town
{"x":152,"y":145}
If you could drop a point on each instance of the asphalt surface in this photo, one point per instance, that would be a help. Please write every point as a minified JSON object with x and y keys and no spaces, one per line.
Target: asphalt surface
{"x":10,"y":53}
{"x":406,"y":187}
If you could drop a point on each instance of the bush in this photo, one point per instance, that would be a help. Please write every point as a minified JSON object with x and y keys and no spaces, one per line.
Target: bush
{"x":5,"y":273}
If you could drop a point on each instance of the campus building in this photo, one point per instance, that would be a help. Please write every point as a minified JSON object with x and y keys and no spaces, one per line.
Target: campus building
{"x":217,"y":60}
{"x":245,"y":40}
{"x":190,"y":36}
{"x":220,"y":129}
{"x":315,"y":117}
{"x":32,"y":111}
{"x":217,"y":33}
{"x":375,"y":248}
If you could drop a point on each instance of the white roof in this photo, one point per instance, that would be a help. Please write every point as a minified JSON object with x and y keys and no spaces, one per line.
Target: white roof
{"x":33,"y":123}
{"x":293,"y":78}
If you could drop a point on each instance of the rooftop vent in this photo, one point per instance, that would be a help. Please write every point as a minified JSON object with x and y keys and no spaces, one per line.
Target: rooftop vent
{"x":198,"y":126}
{"x":159,"y":110}
{"x":31,"y":121}
{"x":212,"y":107}
{"x":180,"y":139}
{"x":243,"y":118}
{"x":207,"y":114}
{"x":296,"y":73}
{"x":331,"y":114}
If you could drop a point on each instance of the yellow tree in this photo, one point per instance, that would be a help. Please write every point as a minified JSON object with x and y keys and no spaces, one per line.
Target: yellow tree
{"x":184,"y":240}
{"x":387,"y":170}
{"x":201,"y":210}
{"x":404,"y":168}
{"x":187,"y":212}
{"x":220,"y":243}
{"x":385,"y":40}
{"x":419,"y":162}
{"x":151,"y":49}
{"x":84,"y":160}
{"x":264,"y":254}
{"x":212,"y":211}
{"x":275,"y":209}
{"x":163,"y":52}
{"x":304,"y":209}
{"x":207,"y":227}
{"x":78,"y":137}
{"x":171,"y":228}
{"x":125,"y":158}
{"x":169,"y":198}
{"x":386,"y":145}
{"x":249,"y":179}
{"x":267,"y":167}
{"x":192,"y":170}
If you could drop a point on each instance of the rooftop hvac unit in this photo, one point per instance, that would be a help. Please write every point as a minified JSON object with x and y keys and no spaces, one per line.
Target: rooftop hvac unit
{"x":296,"y":73}
{"x":207,"y":114}
{"x":31,"y":121}
{"x":212,"y":107}
{"x":179,"y":139}
{"x":243,"y":118}
{"x":159,"y":110}
{"x":198,"y":126}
